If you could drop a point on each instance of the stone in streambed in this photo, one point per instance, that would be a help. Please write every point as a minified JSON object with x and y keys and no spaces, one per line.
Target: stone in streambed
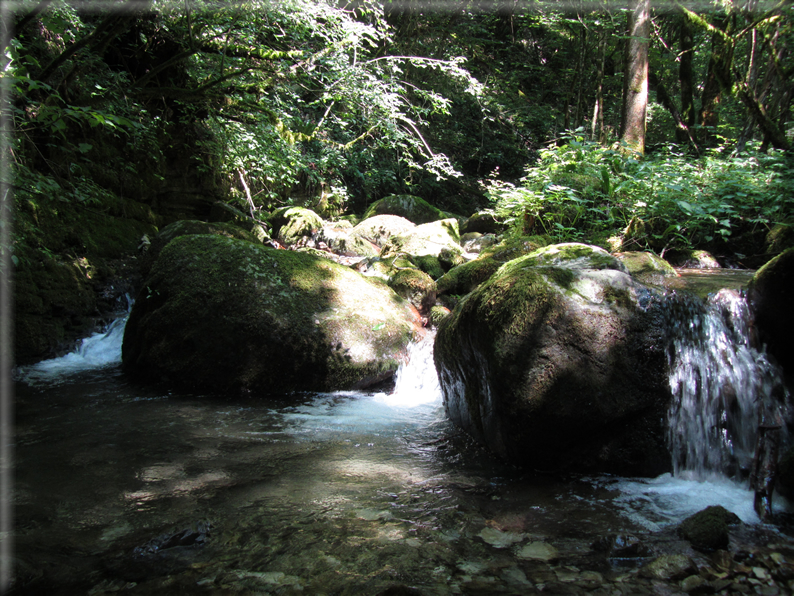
{"x":229,"y":316}
{"x":557,"y":362}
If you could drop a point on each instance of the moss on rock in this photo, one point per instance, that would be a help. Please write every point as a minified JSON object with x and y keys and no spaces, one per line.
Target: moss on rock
{"x":410,"y":207}
{"x":708,"y":529}
{"x":647,"y":267}
{"x":229,"y":316}
{"x":466,"y":277}
{"x":415,"y":286}
{"x":293,"y":224}
{"x":555,"y":366}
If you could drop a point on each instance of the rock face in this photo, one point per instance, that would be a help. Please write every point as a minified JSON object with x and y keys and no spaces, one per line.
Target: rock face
{"x":410,"y":207}
{"x":769,"y":292}
{"x":557,"y":362}
{"x":439,"y":240}
{"x":229,"y":316}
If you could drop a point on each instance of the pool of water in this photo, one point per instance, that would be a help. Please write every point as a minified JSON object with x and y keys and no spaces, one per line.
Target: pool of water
{"x":125,"y":488}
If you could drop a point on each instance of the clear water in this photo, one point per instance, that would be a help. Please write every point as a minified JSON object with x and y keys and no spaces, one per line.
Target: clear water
{"x":122,"y":486}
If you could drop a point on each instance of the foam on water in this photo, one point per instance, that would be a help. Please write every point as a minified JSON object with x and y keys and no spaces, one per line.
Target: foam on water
{"x":667,"y":500}
{"x":98,"y":351}
{"x":415,"y":401}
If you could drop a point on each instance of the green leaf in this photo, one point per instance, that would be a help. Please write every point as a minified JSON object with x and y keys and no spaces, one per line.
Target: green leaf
{"x":84,"y":147}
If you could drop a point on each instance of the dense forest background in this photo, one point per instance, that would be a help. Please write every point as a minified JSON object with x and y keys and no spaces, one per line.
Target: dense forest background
{"x":641,"y":125}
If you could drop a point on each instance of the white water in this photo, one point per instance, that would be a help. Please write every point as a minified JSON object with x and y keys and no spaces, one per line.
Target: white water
{"x":416,"y":400}
{"x":100,"y":350}
{"x":723,"y":387}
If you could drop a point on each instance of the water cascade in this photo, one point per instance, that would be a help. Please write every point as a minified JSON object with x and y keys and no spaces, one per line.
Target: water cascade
{"x":724,"y":387}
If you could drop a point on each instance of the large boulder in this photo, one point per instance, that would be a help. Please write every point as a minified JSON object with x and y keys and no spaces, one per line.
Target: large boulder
{"x":769,"y":292}
{"x":188,"y":227}
{"x":439,"y":240}
{"x":410,"y":207}
{"x":647,"y":267}
{"x":558,"y":362}
{"x":229,"y":316}
{"x":295,"y":225}
{"x":379,"y":228}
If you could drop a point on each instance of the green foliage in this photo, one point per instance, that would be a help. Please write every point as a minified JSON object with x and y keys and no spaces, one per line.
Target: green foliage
{"x":582,"y":191}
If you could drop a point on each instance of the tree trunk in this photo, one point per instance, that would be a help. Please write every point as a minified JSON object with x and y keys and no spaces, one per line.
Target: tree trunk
{"x":718,"y":77}
{"x":635,"y":81}
{"x":685,"y":72}
{"x":597,"y":127}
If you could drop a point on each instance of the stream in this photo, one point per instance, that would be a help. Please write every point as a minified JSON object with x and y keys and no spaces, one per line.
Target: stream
{"x":134,"y":489}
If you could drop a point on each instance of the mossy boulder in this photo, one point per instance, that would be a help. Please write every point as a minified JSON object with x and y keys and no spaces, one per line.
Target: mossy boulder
{"x":466,"y":277}
{"x":647,"y":267}
{"x":770,"y":292}
{"x":338,"y":237}
{"x":294,"y":225}
{"x":380,"y":228}
{"x":575,"y":255}
{"x":415,"y":286}
{"x":484,"y":222}
{"x":439,"y":239}
{"x":708,"y":530}
{"x":190,"y":227}
{"x":558,"y":367}
{"x":68,"y":261}
{"x":513,"y":247}
{"x":779,"y":238}
{"x":410,"y":207}
{"x":228,"y":316}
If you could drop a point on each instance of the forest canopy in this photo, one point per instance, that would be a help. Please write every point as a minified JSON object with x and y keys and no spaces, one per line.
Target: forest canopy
{"x":521,"y":107}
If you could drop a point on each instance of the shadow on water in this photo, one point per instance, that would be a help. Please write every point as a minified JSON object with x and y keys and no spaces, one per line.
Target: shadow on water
{"x":133,"y":489}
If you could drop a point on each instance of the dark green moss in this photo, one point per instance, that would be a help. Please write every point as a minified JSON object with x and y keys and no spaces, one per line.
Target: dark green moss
{"x":708,"y":529}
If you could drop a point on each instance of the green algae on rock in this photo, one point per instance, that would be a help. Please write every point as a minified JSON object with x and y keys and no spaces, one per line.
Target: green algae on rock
{"x":559,"y":367}
{"x":230,"y":316}
{"x":410,"y":207}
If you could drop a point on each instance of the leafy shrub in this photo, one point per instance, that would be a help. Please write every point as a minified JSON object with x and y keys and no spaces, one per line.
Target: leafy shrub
{"x":582,"y":190}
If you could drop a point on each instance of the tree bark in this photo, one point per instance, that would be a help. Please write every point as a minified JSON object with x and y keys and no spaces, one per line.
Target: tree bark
{"x":718,"y":77}
{"x":635,"y":81}
{"x":685,"y":72}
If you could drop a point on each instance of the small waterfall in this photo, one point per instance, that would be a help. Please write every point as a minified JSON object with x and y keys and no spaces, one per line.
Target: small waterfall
{"x":99,"y":350}
{"x":416,"y":380}
{"x":723,"y":387}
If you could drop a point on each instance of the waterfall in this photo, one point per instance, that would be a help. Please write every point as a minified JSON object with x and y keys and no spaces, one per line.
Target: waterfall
{"x":723,"y":387}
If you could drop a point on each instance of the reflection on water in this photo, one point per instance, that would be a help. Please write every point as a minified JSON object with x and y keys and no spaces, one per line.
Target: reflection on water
{"x":123,"y":487}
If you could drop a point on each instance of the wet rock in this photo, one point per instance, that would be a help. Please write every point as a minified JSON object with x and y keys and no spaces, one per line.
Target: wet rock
{"x":538,"y":551}
{"x":708,"y":529}
{"x":622,"y":546}
{"x":230,"y":316}
{"x":499,"y":539}
{"x":400,"y":590}
{"x":555,"y":362}
{"x":194,"y":536}
{"x":770,"y":292}
{"x":669,"y":567}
